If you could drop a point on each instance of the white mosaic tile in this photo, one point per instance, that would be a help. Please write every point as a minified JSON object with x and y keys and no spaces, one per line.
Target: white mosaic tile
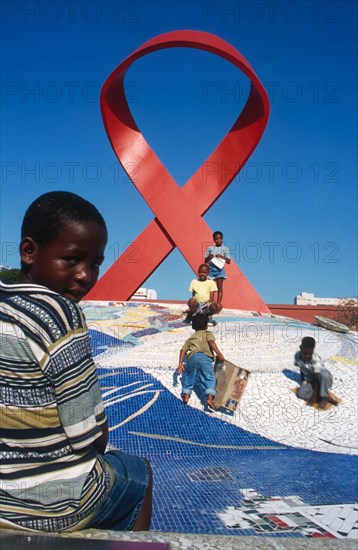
{"x":291,"y":513}
{"x":268,"y":407}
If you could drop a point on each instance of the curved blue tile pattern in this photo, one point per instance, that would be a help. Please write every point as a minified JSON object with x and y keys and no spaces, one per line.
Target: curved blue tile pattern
{"x":274,"y":467}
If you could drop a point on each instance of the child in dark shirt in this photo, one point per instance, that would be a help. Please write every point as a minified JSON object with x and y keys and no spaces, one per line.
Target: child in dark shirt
{"x":316,"y":380}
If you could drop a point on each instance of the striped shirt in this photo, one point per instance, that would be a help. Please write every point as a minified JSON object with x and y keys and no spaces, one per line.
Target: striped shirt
{"x":51,"y":412}
{"x":309,"y":368}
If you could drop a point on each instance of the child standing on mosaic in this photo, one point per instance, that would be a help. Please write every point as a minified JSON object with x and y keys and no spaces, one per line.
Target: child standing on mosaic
{"x":196,"y":361}
{"x":316,"y":380}
{"x":55,"y":473}
{"x":217,"y":256}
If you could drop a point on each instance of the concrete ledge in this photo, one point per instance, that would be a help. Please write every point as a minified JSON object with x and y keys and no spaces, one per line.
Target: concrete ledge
{"x":303,"y":313}
{"x":177,"y":541}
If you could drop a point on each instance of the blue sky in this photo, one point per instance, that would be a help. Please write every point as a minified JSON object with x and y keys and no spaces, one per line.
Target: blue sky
{"x":289,"y":217}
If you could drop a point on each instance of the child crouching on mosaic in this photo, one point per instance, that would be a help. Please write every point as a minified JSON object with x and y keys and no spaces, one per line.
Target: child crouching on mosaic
{"x":55,"y":473}
{"x":196,"y":361}
{"x":203,"y":296}
{"x":316,"y":380}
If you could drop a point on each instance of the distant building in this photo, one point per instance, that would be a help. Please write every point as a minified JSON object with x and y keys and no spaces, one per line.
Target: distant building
{"x":4,"y":268}
{"x":309,"y":299}
{"x":145,"y":294}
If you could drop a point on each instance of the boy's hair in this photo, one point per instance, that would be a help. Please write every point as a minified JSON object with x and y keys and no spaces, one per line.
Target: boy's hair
{"x":203,"y":265}
{"x":217,"y":233}
{"x":199,"y":322}
{"x":308,"y":342}
{"x":50,"y":213}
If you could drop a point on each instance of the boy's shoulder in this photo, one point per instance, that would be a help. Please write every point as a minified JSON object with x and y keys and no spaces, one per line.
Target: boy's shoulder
{"x":205,"y":333}
{"x":206,"y":282}
{"x":10,"y":291}
{"x":316,"y":358}
{"x":197,"y":281}
{"x":36,"y":301}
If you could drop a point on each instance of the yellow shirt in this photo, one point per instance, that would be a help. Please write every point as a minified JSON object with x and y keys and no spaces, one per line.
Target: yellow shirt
{"x":201,"y":289}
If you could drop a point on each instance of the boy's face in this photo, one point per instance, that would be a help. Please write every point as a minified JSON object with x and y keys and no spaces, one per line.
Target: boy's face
{"x":70,"y":264}
{"x":203,"y":273}
{"x":218,"y":240}
{"x":306,"y":353}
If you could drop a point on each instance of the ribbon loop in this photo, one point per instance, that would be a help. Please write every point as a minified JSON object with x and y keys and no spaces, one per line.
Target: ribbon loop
{"x":178,"y":221}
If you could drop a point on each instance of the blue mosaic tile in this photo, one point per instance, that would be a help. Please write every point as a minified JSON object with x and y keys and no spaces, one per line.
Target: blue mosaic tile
{"x":203,"y":463}
{"x":100,"y":342}
{"x":178,"y":444}
{"x":145,"y":332}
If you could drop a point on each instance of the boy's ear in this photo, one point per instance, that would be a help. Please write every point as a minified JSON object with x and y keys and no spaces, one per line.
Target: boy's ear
{"x":28,"y":249}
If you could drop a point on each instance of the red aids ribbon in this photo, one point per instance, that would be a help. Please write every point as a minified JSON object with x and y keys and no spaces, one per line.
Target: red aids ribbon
{"x":178,"y":211}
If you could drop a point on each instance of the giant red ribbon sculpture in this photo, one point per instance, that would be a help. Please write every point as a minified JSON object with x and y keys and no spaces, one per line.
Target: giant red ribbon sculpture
{"x":178,"y":211}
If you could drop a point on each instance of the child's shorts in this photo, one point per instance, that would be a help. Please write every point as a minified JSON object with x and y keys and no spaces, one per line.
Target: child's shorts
{"x":203,"y":308}
{"x":121,"y":509}
{"x":215,"y":272}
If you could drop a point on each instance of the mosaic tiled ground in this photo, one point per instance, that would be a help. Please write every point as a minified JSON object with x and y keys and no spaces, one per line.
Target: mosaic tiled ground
{"x":275,"y":467}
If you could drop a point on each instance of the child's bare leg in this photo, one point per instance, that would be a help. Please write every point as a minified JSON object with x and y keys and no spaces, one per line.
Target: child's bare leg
{"x":145,"y":514}
{"x":325,"y":383}
{"x":210,"y":402}
{"x":316,"y":385}
{"x":193,"y":305}
{"x":215,"y":308}
{"x":331,"y":400}
{"x":314,"y":398}
{"x":322,"y":402}
{"x":219,"y":284}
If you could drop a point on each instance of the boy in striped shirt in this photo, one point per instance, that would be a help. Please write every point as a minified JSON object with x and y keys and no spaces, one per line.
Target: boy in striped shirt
{"x":55,"y":473}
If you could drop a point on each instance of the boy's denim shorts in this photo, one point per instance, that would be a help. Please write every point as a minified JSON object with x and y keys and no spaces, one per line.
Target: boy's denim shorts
{"x":216,"y":273}
{"x":121,"y":509}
